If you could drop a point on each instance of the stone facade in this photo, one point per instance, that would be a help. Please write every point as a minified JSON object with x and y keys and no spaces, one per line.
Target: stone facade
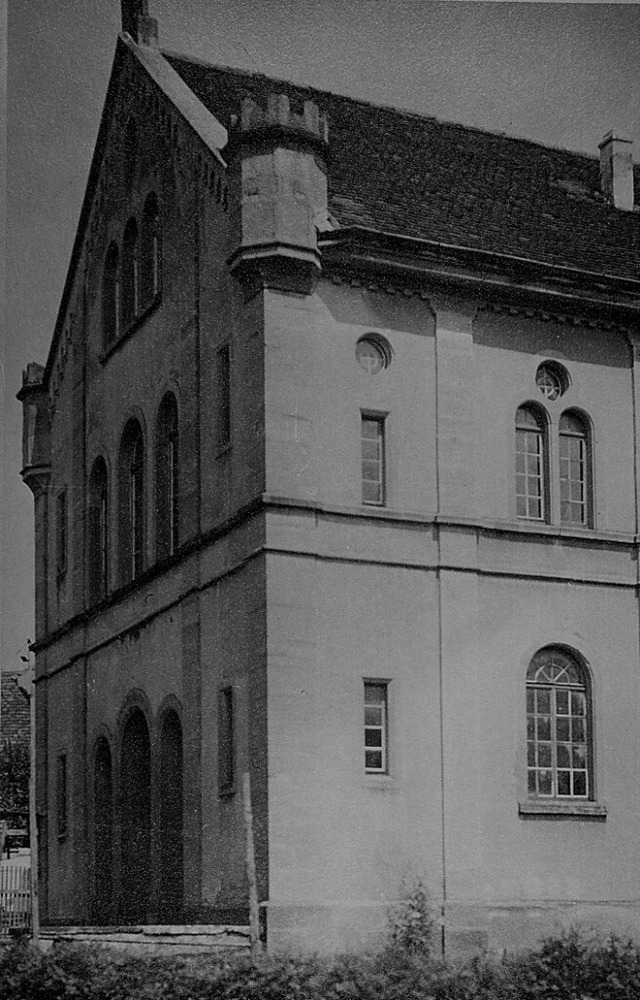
{"x":248,"y":643}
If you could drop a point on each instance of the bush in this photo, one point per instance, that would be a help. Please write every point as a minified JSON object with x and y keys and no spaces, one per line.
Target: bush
{"x":412,"y":922}
{"x":571,"y":966}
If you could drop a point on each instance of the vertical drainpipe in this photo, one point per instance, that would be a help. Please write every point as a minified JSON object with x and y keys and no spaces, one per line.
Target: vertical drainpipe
{"x":440,"y":654}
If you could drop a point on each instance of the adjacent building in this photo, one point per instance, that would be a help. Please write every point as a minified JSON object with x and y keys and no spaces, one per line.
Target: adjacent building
{"x":336,"y":467}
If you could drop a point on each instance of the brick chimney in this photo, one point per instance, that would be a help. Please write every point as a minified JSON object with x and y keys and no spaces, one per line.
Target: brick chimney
{"x":616,"y":171}
{"x":137,"y":22}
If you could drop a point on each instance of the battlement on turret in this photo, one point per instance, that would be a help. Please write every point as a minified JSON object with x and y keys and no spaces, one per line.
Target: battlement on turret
{"x":279,"y":113}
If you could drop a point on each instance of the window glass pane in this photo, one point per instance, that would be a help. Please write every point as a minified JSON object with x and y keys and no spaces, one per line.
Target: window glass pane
{"x":544,"y":782}
{"x":564,"y":783}
{"x":543,"y":702}
{"x":373,"y":760}
{"x":372,"y":716}
{"x":579,"y":783}
{"x":579,"y":757}
{"x":544,"y":755}
{"x":578,"y":730}
{"x":544,"y":728}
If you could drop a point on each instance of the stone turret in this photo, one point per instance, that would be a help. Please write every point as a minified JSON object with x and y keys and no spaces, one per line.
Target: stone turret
{"x":36,"y":474}
{"x":278,"y":161}
{"x":36,"y":428}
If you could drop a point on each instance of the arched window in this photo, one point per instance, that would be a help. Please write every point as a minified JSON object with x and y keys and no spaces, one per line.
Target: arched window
{"x":558,"y":726}
{"x":150,"y":252}
{"x":103,"y":834}
{"x":167,"y":478}
{"x":98,"y":541}
{"x":575,"y":473}
{"x":110,"y":297}
{"x":531,"y":464}
{"x":129,"y":274}
{"x":131,"y":502}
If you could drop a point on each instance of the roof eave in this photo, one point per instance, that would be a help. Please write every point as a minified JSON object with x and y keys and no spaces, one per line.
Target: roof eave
{"x":470,"y":268}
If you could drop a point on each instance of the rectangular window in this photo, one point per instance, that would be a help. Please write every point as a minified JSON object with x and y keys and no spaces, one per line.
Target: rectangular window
{"x":61,"y":532}
{"x":223,"y":390}
{"x":375,"y":727}
{"x":61,"y":794}
{"x":373,"y":458}
{"x":226,"y":747}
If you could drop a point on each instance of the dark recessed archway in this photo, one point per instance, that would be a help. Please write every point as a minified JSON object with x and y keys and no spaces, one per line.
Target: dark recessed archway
{"x":135,"y":820}
{"x":103,"y":834}
{"x":171,"y":864}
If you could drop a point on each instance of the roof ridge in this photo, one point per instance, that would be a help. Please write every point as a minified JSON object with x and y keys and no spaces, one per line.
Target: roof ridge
{"x":509,"y":137}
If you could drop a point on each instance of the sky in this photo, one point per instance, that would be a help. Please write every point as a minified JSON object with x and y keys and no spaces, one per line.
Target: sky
{"x":562,"y":74}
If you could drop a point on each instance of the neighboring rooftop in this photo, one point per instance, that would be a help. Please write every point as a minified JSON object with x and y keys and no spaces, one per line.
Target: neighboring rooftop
{"x":402,"y":173}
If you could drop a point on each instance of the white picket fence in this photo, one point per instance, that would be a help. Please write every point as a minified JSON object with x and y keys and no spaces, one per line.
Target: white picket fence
{"x":15,"y":898}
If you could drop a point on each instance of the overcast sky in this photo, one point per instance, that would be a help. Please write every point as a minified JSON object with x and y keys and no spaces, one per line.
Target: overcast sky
{"x":562,"y":74}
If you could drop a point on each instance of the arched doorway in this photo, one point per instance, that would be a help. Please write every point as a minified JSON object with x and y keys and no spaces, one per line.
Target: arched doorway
{"x":171,"y":868}
{"x":135,"y":823}
{"x":103,"y":834}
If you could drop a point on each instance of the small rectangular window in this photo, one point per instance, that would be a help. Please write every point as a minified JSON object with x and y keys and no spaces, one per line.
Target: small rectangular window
{"x":61,"y":794}
{"x":223,"y":396}
{"x":373,"y":460}
{"x":376,"y":756}
{"x":61,"y":532}
{"x":226,"y":748}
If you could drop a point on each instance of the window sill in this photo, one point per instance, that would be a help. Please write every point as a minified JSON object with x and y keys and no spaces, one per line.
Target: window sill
{"x":381,"y":782}
{"x":553,"y":807}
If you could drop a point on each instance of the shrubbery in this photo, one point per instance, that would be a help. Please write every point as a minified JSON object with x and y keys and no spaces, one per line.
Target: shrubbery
{"x":569,"y":967}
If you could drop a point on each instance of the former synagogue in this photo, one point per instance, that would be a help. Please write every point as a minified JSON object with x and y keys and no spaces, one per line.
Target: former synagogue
{"x":335,"y":460}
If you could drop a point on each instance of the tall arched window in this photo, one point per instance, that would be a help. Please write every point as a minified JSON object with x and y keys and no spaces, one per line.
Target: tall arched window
{"x":150,"y":252}
{"x":558,"y":726}
{"x":129,"y":274}
{"x":110,"y":296}
{"x":98,"y":542}
{"x":103,"y":834}
{"x":131,"y":502}
{"x":575,"y":473}
{"x":167,"y":478}
{"x":531,"y":464}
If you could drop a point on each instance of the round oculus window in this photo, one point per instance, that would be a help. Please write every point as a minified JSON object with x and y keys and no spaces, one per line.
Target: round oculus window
{"x":552,"y":380}
{"x":372,"y":355}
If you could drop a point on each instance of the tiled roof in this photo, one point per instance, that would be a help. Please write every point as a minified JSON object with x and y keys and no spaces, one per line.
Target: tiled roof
{"x":402,"y":173}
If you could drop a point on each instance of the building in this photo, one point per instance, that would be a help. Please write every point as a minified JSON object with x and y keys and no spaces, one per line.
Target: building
{"x":15,"y":728}
{"x":335,"y":459}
